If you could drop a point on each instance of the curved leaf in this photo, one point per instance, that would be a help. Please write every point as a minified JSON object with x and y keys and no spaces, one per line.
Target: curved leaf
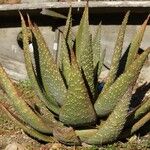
{"x":77,"y":109}
{"x":84,"y":51}
{"x":116,"y":55}
{"x":139,"y":112}
{"x":107,"y":101}
{"x":20,"y":105}
{"x":65,"y":47}
{"x":135,"y":44}
{"x":136,"y":126}
{"x":51,"y":77}
{"x":112,"y":127}
{"x":52,"y":105}
{"x":28,"y":130}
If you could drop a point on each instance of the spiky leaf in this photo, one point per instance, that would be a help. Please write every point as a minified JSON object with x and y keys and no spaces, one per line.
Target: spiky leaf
{"x":130,"y":131}
{"x":65,"y":47}
{"x":98,"y":53}
{"x":135,"y":44}
{"x":140,"y":123}
{"x":139,"y":112}
{"x":51,"y":77}
{"x":110,"y":129}
{"x":97,"y":49}
{"x":116,"y":55}
{"x":66,"y":135}
{"x":20,"y":105}
{"x":107,"y":101}
{"x":77,"y":109}
{"x":52,"y":13}
{"x":52,"y":105}
{"x":30,"y":131}
{"x":84,"y":50}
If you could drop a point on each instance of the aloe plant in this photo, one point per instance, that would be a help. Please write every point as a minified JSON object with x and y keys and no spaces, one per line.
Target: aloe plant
{"x":73,"y":109}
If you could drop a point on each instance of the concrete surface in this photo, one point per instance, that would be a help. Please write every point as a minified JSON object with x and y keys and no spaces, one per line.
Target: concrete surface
{"x":11,"y":56}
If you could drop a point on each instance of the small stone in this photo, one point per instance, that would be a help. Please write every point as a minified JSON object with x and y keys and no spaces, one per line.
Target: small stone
{"x":103,"y":75}
{"x":46,"y":147}
{"x":50,"y":146}
{"x":86,"y":145}
{"x":133,"y":139}
{"x":56,"y":146}
{"x":15,"y":146}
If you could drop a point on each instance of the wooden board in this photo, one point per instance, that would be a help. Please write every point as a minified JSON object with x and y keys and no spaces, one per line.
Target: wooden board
{"x":139,"y":6}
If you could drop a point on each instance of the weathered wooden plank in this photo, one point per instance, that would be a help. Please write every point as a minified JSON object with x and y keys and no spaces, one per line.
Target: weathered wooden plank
{"x":135,"y":5}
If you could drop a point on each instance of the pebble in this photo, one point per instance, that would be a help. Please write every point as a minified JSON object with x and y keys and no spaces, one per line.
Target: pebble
{"x":56,"y":146}
{"x":15,"y":146}
{"x":50,"y":146}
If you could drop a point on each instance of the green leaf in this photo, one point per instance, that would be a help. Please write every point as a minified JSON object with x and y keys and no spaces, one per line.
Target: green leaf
{"x":98,"y":53}
{"x":84,"y":134}
{"x":77,"y":109}
{"x":66,"y":135}
{"x":52,"y":105}
{"x":117,"y":54}
{"x":96,"y":45}
{"x":107,"y":101}
{"x":84,"y":51}
{"x":114,"y":124}
{"x":20,"y":105}
{"x":135,"y":44}
{"x":98,"y":58}
{"x":51,"y":77}
{"x":128,"y":132}
{"x":139,"y":112}
{"x":65,"y":47}
{"x":140,"y":123}
{"x":52,"y":13}
{"x":30,"y":131}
